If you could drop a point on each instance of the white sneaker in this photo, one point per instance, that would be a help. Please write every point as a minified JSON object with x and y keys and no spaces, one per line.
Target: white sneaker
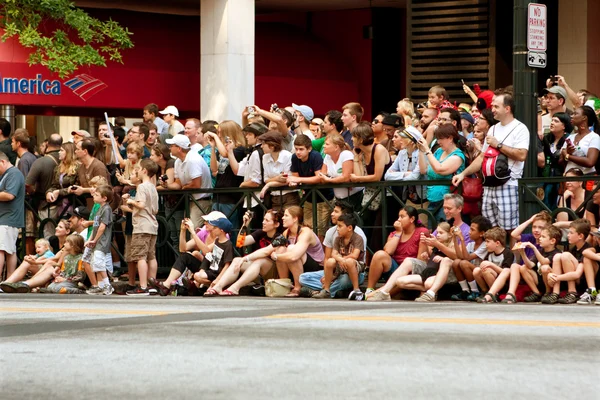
{"x":108,"y":290}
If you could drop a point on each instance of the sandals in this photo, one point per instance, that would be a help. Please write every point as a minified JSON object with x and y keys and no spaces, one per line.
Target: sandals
{"x":512,"y":300}
{"x":483,"y":299}
{"x":570,"y":298}
{"x":533,"y":298}
{"x":293,"y":293}
{"x":211,"y":293}
{"x":228,"y":292}
{"x":550,"y":298}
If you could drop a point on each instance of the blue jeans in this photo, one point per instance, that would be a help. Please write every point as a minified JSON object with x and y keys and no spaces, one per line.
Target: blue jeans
{"x":312,"y":280}
{"x":439,"y":215}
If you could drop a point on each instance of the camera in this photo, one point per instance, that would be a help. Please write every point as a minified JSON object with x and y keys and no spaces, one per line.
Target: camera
{"x":279,"y":241}
{"x":553,"y":80}
{"x":164,"y":178}
{"x":73,"y":187}
{"x":250,"y":110}
{"x":106,"y":135}
{"x":274,"y":107}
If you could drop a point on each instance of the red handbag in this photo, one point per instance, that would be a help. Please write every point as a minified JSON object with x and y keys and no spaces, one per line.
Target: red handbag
{"x":472,"y":189}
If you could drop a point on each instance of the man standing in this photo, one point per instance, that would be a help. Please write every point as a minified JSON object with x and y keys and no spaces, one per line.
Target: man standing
{"x":352,"y":114}
{"x":170,"y":115}
{"x":556,"y":101}
{"x":151,"y":116}
{"x":192,"y":125}
{"x":304,"y":114}
{"x":191,"y":172}
{"x":90,"y":167}
{"x":12,"y":211}
{"x":20,"y":145}
{"x":80,"y":135}
{"x":332,"y":124}
{"x":427,"y":117}
{"x":40,"y":178}
{"x":511,"y":138}
{"x":5,"y":145}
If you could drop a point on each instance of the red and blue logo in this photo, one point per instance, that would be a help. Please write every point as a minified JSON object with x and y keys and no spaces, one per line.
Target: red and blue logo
{"x":85,"y":86}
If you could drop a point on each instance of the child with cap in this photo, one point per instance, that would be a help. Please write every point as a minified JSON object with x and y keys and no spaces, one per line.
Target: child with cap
{"x":221,"y":250}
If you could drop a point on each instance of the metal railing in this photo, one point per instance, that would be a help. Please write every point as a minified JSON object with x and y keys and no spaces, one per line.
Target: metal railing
{"x":391,"y":199}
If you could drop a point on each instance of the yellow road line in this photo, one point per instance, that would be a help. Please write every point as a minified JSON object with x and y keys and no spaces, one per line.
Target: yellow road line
{"x":81,"y":311}
{"x":457,"y":321}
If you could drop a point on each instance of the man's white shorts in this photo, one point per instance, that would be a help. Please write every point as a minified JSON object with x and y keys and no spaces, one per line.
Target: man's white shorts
{"x":102,"y":262}
{"x":8,"y":239}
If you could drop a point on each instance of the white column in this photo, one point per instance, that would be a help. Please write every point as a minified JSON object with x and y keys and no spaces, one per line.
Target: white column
{"x":226,"y":58}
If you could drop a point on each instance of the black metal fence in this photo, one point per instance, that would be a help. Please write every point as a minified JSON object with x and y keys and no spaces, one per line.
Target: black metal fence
{"x":377,"y":223}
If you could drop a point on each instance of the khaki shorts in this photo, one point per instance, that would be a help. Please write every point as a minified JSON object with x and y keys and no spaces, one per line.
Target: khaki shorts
{"x":30,"y":224}
{"x":8,"y":239}
{"x":323,"y":216}
{"x":143,"y":247}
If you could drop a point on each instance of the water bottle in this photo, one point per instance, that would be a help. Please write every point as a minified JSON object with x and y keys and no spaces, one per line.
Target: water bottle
{"x":547,"y":168}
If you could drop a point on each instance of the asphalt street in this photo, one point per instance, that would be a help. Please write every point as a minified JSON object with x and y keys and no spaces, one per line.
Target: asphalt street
{"x":84,"y":347}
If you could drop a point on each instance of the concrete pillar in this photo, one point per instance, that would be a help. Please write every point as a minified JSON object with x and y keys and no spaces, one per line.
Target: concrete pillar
{"x":8,"y":112}
{"x":227,"y":58}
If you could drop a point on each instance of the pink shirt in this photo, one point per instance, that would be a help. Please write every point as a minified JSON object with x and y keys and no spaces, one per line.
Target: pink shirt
{"x":409,"y":248}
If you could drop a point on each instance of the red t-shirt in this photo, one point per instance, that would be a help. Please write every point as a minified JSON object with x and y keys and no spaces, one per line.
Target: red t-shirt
{"x":410,"y":247}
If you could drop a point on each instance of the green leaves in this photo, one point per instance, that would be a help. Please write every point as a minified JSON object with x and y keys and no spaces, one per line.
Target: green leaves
{"x":61,"y":36}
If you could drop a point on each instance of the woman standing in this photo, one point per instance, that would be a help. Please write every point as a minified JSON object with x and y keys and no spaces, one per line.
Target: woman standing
{"x":304,"y":252}
{"x":254,"y":264}
{"x":277,"y":164}
{"x":447,"y":160}
{"x":65,"y":176}
{"x":338,"y":165}
{"x":581,"y":149}
{"x":553,"y":142}
{"x":174,"y":212}
{"x":228,"y":147}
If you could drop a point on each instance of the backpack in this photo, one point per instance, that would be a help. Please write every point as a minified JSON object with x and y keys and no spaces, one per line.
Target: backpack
{"x":494,"y":168}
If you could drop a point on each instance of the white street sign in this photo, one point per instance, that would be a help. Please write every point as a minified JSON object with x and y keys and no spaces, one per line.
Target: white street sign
{"x":537,"y":31}
{"x":536,"y":59}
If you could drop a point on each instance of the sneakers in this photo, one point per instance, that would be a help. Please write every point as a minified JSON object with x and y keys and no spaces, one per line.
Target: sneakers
{"x":570,"y":298}
{"x":162,"y":289}
{"x":108,"y":290}
{"x":378,"y":295}
{"x":323,"y":294}
{"x":18,"y":287}
{"x":425,"y":298}
{"x":588,"y":297}
{"x":356,"y":295}
{"x":138,"y":291}
{"x":369,"y":290}
{"x":462,"y":296}
{"x":306,"y":292}
{"x":473,"y":296}
{"x":597,"y":301}
{"x":152,"y":292}
{"x":95,"y":291}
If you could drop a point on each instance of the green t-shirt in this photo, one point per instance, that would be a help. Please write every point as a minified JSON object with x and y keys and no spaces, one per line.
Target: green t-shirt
{"x":95,"y":209}
{"x":317,"y":145}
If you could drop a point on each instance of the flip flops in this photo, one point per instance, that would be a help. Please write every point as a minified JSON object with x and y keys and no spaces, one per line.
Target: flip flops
{"x":228,"y":292}
{"x":211,"y":293}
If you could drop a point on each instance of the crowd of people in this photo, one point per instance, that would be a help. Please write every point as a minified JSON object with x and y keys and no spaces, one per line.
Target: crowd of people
{"x":478,"y":245}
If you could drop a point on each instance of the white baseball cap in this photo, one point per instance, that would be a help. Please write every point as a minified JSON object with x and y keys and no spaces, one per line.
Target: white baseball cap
{"x":170,"y":110}
{"x":179,"y":140}
{"x":213,"y":215}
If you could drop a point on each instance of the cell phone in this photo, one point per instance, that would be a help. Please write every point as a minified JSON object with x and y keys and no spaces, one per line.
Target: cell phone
{"x":73,"y":187}
{"x":106,"y":135}
{"x":251,"y":110}
{"x":463,"y":82}
{"x":569,"y":142}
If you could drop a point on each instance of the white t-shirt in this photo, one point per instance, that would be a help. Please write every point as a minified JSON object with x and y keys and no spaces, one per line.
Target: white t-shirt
{"x":515,"y":135}
{"x":249,"y":168}
{"x":335,"y":169}
{"x":196,"y":147}
{"x":481,"y":252}
{"x":332,"y":234}
{"x":589,"y":141}
{"x":191,"y":168}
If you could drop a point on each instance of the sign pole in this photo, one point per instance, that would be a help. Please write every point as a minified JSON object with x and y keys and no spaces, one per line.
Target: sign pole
{"x":524,"y":80}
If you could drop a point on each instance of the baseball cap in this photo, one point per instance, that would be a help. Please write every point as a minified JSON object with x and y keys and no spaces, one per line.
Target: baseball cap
{"x":411,"y":133}
{"x":304,"y":110}
{"x":211,"y":216}
{"x":221,"y":223}
{"x":81,"y":212}
{"x":82,"y":133}
{"x":468,"y":117}
{"x":170,"y":110}
{"x":179,"y":140}
{"x":557,"y":90}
